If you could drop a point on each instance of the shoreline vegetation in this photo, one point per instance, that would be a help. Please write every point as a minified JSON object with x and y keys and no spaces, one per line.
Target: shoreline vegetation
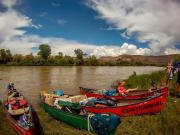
{"x":165,"y":123}
{"x":44,"y":58}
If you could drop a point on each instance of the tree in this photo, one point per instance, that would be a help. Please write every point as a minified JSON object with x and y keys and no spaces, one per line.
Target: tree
{"x":60,"y":55}
{"x":92,"y":60}
{"x":2,"y":55}
{"x":17,"y":58}
{"x":5,"y":56}
{"x":8,"y":56}
{"x":29,"y":58}
{"x":79,"y":56}
{"x":45,"y":51}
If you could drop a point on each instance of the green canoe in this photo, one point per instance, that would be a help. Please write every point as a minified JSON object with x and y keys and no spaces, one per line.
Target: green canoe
{"x":75,"y":120}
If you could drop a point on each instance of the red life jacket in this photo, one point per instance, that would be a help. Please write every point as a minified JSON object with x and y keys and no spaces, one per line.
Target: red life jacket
{"x":18,"y":104}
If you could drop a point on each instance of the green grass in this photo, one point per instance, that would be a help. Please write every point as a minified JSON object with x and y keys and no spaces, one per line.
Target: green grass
{"x":51,"y":126}
{"x":165,"y":123}
{"x":5,"y":128}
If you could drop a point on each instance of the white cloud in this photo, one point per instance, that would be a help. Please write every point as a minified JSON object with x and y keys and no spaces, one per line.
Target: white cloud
{"x":172,"y":51}
{"x":55,"y":4}
{"x":154,"y":21}
{"x":61,"y":21}
{"x":25,"y":44}
{"x":14,"y":37}
{"x":8,"y":3}
{"x":43,"y":14}
{"x":10,"y":24}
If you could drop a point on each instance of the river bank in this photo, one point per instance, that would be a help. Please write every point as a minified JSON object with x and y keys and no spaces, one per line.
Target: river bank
{"x":165,"y":123}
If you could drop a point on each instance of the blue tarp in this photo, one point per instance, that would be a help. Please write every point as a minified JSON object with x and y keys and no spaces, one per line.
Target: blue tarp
{"x":111,"y":92}
{"x":59,"y":92}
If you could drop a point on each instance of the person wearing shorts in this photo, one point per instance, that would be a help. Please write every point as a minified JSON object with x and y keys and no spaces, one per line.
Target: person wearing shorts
{"x":169,"y":74}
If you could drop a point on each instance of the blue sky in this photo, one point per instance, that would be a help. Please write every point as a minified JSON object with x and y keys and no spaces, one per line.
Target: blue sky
{"x":101,"y":28}
{"x":71,"y":19}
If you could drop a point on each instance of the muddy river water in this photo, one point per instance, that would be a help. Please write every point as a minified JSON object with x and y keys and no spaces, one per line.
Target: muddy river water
{"x":31,"y":80}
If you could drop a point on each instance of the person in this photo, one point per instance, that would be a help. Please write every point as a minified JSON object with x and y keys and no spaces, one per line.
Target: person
{"x":169,"y":74}
{"x":10,"y":87}
{"x":122,"y":91}
{"x":177,"y":82}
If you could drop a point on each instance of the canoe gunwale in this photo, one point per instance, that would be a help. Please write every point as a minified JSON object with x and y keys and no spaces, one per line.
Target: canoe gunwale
{"x":150,"y":98}
{"x":150,"y":106}
{"x":119,"y":97}
{"x":72,"y":114}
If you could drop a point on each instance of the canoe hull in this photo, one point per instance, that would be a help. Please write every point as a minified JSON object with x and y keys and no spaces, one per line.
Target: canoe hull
{"x":150,"y":106}
{"x":17,"y":128}
{"x":71,"y":119}
{"x":130,"y":96}
{"x":74,"y":120}
{"x":14,"y":124}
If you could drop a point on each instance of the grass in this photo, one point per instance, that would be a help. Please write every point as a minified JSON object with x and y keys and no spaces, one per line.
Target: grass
{"x":165,"y":123}
{"x":53,"y":127}
{"x":4,"y":125}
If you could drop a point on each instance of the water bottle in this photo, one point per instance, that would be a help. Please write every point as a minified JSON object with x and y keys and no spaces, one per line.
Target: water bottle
{"x":10,"y":108}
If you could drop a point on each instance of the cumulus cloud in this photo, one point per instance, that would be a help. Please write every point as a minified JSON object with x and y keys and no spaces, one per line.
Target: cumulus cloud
{"x":120,"y":50}
{"x":8,"y":3}
{"x":26,"y":43}
{"x":155,"y":22}
{"x":14,"y":37}
{"x":12,"y":22}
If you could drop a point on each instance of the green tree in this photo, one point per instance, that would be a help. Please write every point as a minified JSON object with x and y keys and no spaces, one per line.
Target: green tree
{"x":2,"y":56}
{"x":5,"y":56}
{"x":92,"y":60}
{"x":8,"y":55}
{"x":60,"y":54}
{"x":45,"y":51}
{"x":68,"y":60}
{"x":79,"y":56}
{"x":29,"y":57}
{"x":17,"y":58}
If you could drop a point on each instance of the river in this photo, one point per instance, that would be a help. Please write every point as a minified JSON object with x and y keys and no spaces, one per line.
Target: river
{"x":30,"y":80}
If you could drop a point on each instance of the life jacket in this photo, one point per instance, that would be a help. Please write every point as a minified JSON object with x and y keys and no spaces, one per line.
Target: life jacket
{"x":17,"y":104}
{"x":122,"y":90}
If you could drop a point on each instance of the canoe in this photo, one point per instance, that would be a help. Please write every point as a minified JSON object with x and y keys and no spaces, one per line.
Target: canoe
{"x":19,"y":111}
{"x":13,"y":117}
{"x":152,"y":105}
{"x":137,"y":94}
{"x":76,"y":120}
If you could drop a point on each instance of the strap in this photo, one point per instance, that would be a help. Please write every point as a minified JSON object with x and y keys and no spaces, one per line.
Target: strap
{"x":89,"y":123}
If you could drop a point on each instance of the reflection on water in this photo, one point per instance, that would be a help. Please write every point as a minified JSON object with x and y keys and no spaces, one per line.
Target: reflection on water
{"x":31,"y":80}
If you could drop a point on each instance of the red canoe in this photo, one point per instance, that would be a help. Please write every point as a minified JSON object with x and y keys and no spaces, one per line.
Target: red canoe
{"x":13,"y":117}
{"x":152,"y":105}
{"x":137,"y":94}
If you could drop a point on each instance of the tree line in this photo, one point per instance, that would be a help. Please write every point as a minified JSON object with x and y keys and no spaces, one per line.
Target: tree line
{"x":44,"y":57}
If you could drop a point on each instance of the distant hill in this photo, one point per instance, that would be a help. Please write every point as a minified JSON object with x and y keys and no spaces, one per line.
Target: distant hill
{"x":146,"y":60}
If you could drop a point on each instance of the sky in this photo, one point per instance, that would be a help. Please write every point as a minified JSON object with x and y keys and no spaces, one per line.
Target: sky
{"x":98,"y":27}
